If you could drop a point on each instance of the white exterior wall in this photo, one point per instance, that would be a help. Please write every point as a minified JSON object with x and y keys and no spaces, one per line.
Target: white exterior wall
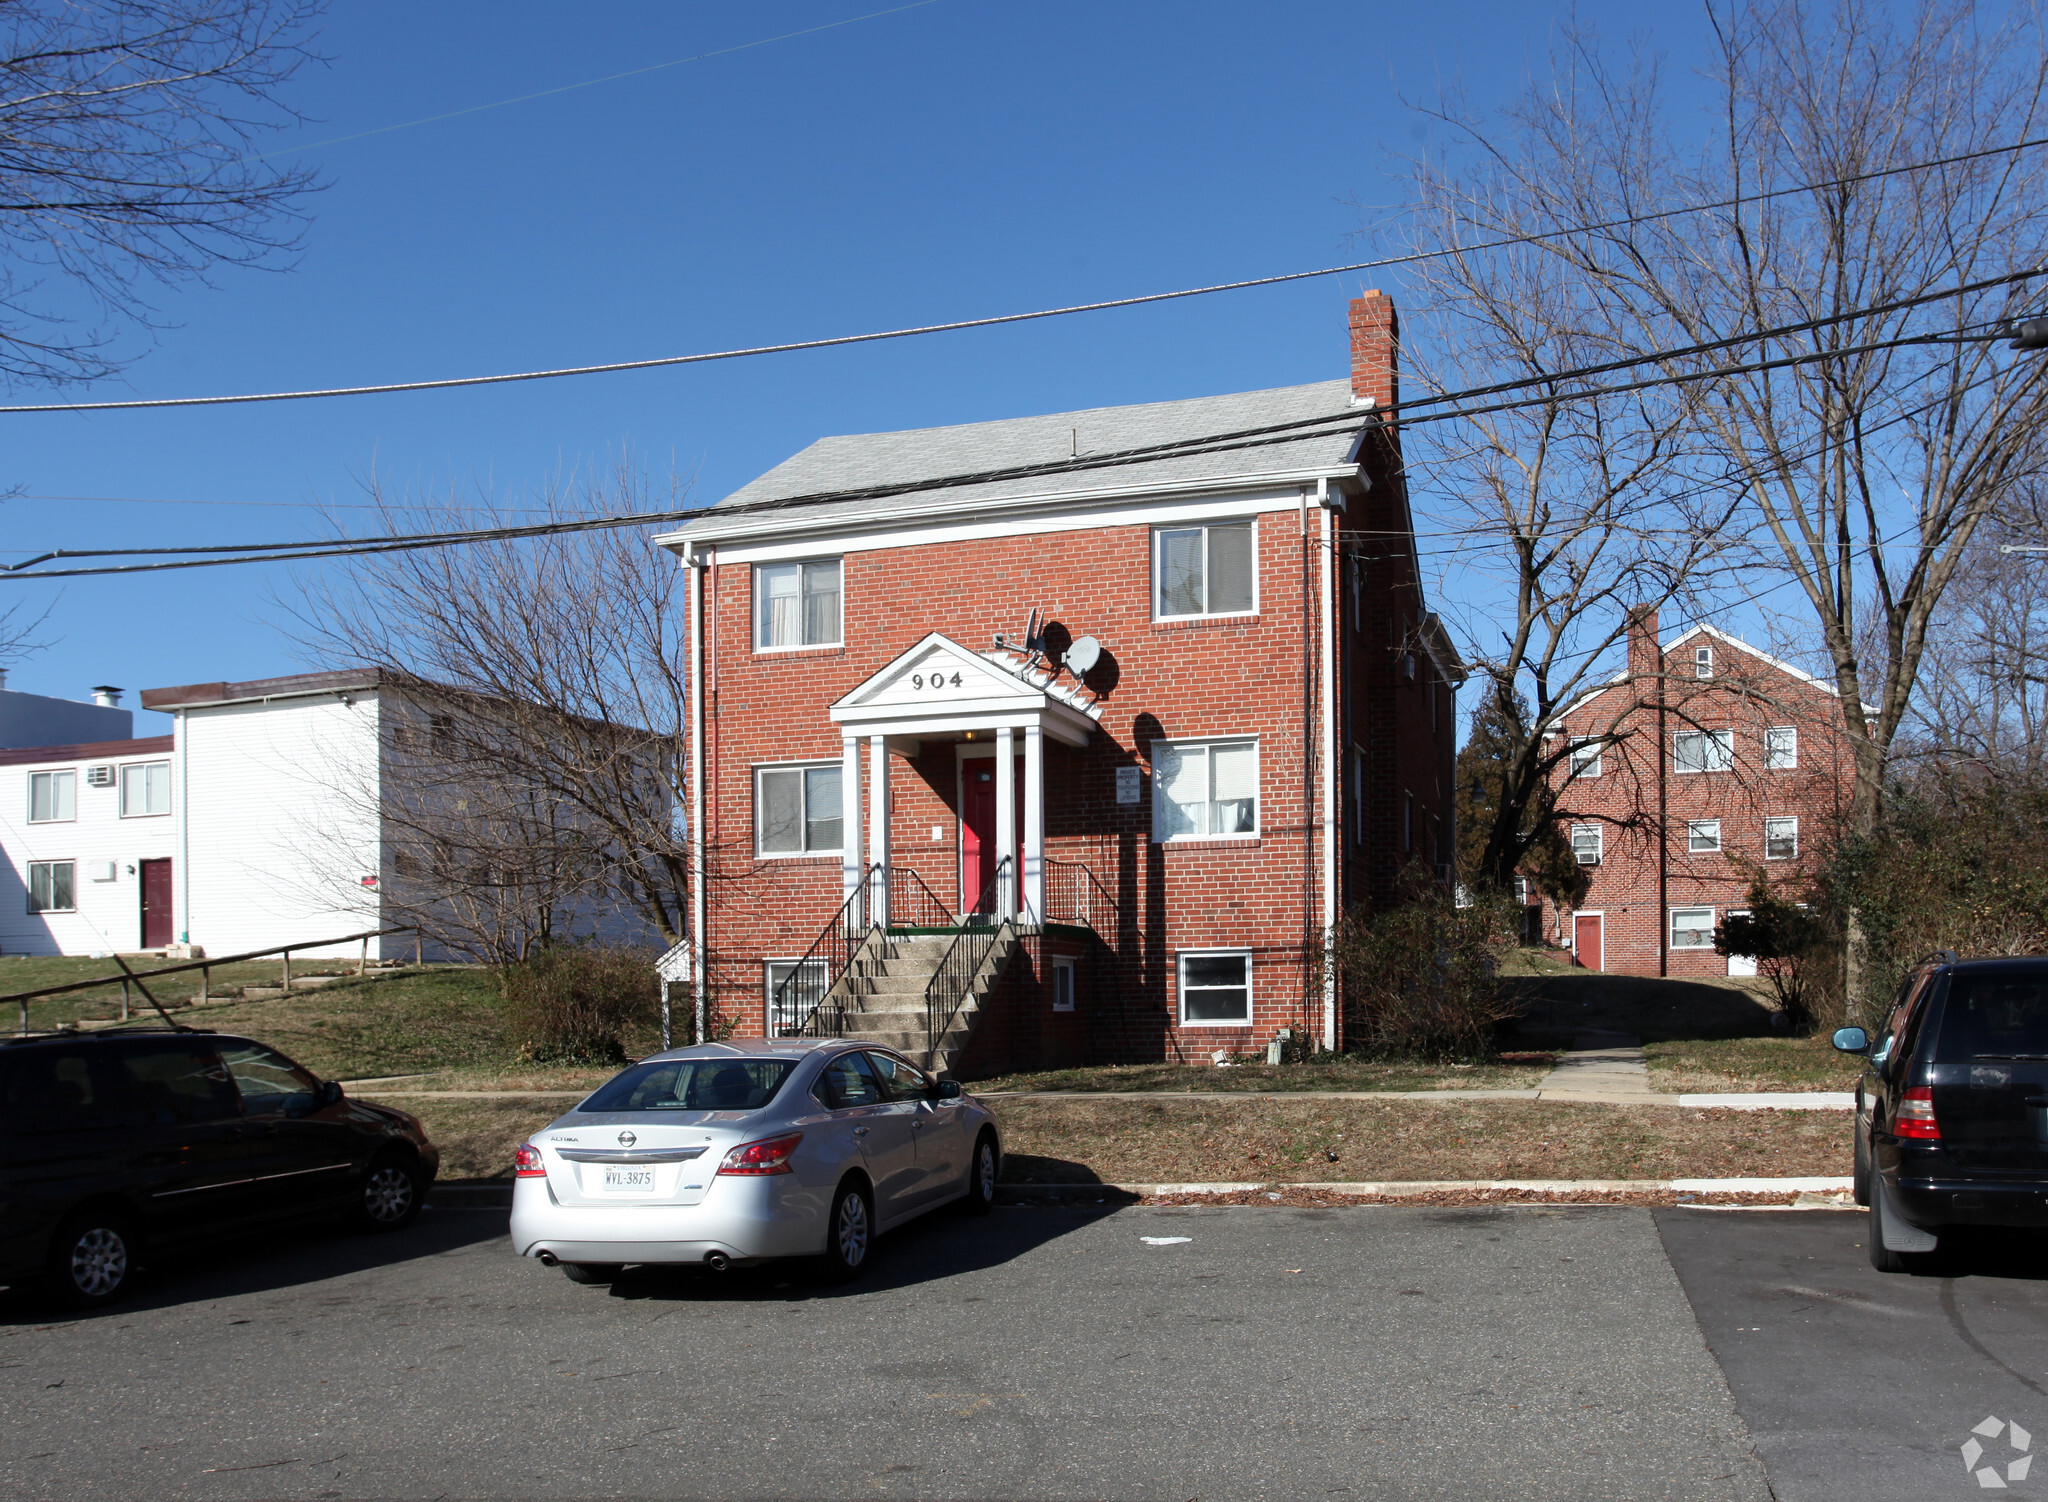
{"x":109,"y":915}
{"x":281,"y":824}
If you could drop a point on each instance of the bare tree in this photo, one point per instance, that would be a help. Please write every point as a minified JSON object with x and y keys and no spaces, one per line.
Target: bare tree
{"x":127,"y":158}
{"x":1865,"y":474}
{"x":538,"y":761}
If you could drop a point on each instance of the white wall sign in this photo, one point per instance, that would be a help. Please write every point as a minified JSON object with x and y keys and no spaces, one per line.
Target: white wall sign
{"x":1130,"y":784}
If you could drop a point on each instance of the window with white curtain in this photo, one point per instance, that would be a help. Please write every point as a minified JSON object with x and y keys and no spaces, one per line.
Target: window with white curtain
{"x":52,"y":886}
{"x":797,"y":810}
{"x":1204,"y":789}
{"x":797,"y":604}
{"x":145,"y":789}
{"x":1204,"y":570}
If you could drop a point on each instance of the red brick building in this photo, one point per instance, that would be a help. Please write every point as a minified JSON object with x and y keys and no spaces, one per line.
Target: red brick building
{"x":1156,"y":684}
{"x":1704,"y":765}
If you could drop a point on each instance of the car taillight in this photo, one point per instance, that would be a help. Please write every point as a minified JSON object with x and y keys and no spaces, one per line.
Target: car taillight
{"x":1915,"y":1116}
{"x":769,"y":1156}
{"x":526,"y":1163}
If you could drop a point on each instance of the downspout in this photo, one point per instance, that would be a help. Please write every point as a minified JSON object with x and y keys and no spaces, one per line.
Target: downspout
{"x":183,"y":746}
{"x":1663,"y":836}
{"x":694,"y":573}
{"x":1326,"y":571}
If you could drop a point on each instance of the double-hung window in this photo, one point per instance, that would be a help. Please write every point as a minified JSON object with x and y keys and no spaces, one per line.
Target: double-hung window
{"x":52,"y":886}
{"x":52,"y":797}
{"x":1216,"y":989}
{"x":797,"y":810}
{"x":1781,"y":839}
{"x":1586,"y":844}
{"x":1204,"y":789}
{"x":1703,"y":750}
{"x":1781,"y":749}
{"x":1585,"y":759}
{"x":1703,"y":662}
{"x":1692,"y":928}
{"x":145,"y":789}
{"x":1703,"y":836}
{"x":1204,"y":570}
{"x":797,"y":604}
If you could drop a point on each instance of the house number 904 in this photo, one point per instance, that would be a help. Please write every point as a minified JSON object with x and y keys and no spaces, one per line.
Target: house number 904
{"x":938,"y":680}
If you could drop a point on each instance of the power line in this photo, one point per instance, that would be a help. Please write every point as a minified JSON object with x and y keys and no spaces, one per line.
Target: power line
{"x":452,"y":382}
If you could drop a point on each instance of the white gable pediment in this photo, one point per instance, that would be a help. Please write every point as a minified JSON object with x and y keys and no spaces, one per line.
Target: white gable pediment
{"x":941,"y":687}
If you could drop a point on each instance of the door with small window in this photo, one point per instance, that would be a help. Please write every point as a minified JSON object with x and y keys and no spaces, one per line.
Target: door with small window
{"x":157,"y":931}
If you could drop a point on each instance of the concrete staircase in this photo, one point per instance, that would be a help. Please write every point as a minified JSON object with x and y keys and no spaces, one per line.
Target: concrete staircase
{"x":883,"y":991}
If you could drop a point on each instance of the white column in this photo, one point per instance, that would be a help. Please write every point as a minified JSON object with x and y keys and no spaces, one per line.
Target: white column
{"x":1034,"y":822}
{"x":1006,"y":819}
{"x":849,"y":815}
{"x":878,"y":828}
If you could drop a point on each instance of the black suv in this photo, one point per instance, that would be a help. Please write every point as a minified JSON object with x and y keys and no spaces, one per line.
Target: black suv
{"x":115,"y":1144}
{"x":1952,"y":1109}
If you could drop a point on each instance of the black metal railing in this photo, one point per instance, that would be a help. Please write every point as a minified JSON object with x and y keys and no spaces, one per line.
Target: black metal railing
{"x":797,"y":1005}
{"x":1075,"y":894}
{"x":980,"y":930}
{"x":912,"y":904}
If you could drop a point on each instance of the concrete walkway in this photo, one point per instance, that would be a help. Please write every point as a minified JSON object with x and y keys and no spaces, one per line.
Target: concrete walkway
{"x":1608,"y":1068}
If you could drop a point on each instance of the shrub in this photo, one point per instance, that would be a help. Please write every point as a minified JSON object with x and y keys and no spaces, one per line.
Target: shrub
{"x":1793,"y":946}
{"x":1420,"y":980}
{"x":577,"y":1005}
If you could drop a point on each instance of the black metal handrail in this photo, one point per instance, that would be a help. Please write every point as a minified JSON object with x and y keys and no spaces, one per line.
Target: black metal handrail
{"x":1075,"y":894}
{"x":953,"y":981}
{"x":795,"y":1005}
{"x":912,"y":904}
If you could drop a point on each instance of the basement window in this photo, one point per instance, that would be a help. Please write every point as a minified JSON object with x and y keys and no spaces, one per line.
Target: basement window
{"x":1216,"y":989}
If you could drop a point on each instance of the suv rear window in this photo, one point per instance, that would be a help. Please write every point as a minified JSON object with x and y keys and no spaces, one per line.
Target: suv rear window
{"x":1994,"y":1016}
{"x":693,"y":1085}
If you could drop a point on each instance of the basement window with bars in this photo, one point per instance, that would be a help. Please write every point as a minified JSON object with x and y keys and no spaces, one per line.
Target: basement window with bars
{"x":1200,"y":571}
{"x":797,"y":604}
{"x":1216,"y":989}
{"x":797,"y":810}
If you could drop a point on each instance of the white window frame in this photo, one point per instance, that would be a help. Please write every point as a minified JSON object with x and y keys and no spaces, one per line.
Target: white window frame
{"x":1781,"y":748}
{"x":1703,"y":662}
{"x":1159,"y":612}
{"x":1671,"y":929}
{"x":1160,"y":802}
{"x":1598,"y":845}
{"x":53,"y":778}
{"x":1780,"y":821}
{"x":1725,"y":739}
{"x":1062,"y":985}
{"x":834,"y":852}
{"x":33,"y":867}
{"x":759,"y":596}
{"x":769,"y":981}
{"x":1584,"y":758}
{"x":144,"y":767}
{"x":1180,"y":986}
{"x":1697,"y":830}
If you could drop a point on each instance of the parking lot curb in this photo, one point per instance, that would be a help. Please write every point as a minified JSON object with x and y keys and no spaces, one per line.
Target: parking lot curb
{"x":1395,"y":1188}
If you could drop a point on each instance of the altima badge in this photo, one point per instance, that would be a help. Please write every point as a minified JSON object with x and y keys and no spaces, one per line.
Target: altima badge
{"x":627,"y":1139}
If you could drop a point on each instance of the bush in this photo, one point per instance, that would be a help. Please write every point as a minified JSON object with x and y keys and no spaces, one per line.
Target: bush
{"x":1420,"y":981}
{"x":577,"y":1005}
{"x":1794,"y":948}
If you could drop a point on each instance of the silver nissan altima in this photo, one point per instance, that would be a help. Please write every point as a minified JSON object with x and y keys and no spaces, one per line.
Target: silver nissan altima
{"x":729,"y":1153}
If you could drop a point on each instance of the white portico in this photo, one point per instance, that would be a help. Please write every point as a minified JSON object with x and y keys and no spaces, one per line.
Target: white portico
{"x":942,"y":691}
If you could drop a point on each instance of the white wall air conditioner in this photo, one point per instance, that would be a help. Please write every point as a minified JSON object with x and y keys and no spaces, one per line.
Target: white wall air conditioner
{"x":99,"y":777}
{"x":101,"y":870}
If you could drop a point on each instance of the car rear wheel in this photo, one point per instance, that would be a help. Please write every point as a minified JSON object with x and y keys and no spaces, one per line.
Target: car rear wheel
{"x":591,"y":1272}
{"x":92,"y":1260}
{"x":982,"y":1172}
{"x":390,"y":1196}
{"x":849,"y":1233}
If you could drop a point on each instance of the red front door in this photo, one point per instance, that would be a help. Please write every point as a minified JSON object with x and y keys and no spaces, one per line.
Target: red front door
{"x":1586,"y":937}
{"x":156,"y":904}
{"x":978,"y":826}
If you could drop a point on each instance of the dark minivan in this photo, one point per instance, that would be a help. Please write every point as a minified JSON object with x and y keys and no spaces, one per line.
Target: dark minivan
{"x":117,"y":1144}
{"x":1952,"y":1109}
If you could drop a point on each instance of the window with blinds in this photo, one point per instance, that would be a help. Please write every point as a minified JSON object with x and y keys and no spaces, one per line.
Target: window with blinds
{"x":797,"y":604}
{"x":1204,"y":571}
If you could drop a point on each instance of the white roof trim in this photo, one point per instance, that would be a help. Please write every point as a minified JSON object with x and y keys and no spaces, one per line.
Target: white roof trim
{"x":974,"y":691}
{"x":1702,"y":628}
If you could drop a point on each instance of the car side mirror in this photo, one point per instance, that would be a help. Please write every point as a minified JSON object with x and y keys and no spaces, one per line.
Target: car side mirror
{"x":1851,"y":1040}
{"x":329,"y":1094}
{"x":946,"y":1090}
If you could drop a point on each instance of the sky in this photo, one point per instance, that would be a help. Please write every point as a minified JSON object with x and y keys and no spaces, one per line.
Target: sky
{"x":952,"y":160}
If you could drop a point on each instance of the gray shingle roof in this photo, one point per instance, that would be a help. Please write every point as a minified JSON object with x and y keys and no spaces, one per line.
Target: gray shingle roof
{"x":863,"y":460}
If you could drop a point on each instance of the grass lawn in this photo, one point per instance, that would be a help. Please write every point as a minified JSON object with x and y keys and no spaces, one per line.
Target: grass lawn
{"x":1775,"y":1063}
{"x":1517,"y":1072}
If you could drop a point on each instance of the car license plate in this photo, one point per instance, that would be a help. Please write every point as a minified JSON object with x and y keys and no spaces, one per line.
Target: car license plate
{"x":629,"y":1179}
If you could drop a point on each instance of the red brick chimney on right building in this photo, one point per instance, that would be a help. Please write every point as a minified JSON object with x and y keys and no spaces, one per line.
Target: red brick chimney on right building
{"x":1645,"y":662}
{"x":1375,"y":350}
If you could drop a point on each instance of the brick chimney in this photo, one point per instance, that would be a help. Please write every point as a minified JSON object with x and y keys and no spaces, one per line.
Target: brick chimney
{"x":1375,"y":350}
{"x":1645,"y":661}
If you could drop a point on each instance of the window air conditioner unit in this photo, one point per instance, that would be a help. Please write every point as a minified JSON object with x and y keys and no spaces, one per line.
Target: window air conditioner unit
{"x":1589,"y":857}
{"x":99,"y":777}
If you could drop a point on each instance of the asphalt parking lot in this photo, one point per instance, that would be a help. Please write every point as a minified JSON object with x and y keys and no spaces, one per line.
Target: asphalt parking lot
{"x":1039,"y":1353}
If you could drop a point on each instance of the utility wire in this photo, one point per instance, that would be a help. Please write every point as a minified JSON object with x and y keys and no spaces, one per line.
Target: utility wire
{"x":1411,"y":258}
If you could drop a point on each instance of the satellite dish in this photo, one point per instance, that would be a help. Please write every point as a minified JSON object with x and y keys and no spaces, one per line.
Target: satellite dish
{"x":1083,"y":655}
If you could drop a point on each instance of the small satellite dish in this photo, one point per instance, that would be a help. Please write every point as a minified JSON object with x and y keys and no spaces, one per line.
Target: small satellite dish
{"x":1082,"y":656}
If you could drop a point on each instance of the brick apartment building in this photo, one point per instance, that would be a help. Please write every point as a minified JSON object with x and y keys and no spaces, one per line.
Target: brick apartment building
{"x":1158,"y":680}
{"x":1705,"y":764}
